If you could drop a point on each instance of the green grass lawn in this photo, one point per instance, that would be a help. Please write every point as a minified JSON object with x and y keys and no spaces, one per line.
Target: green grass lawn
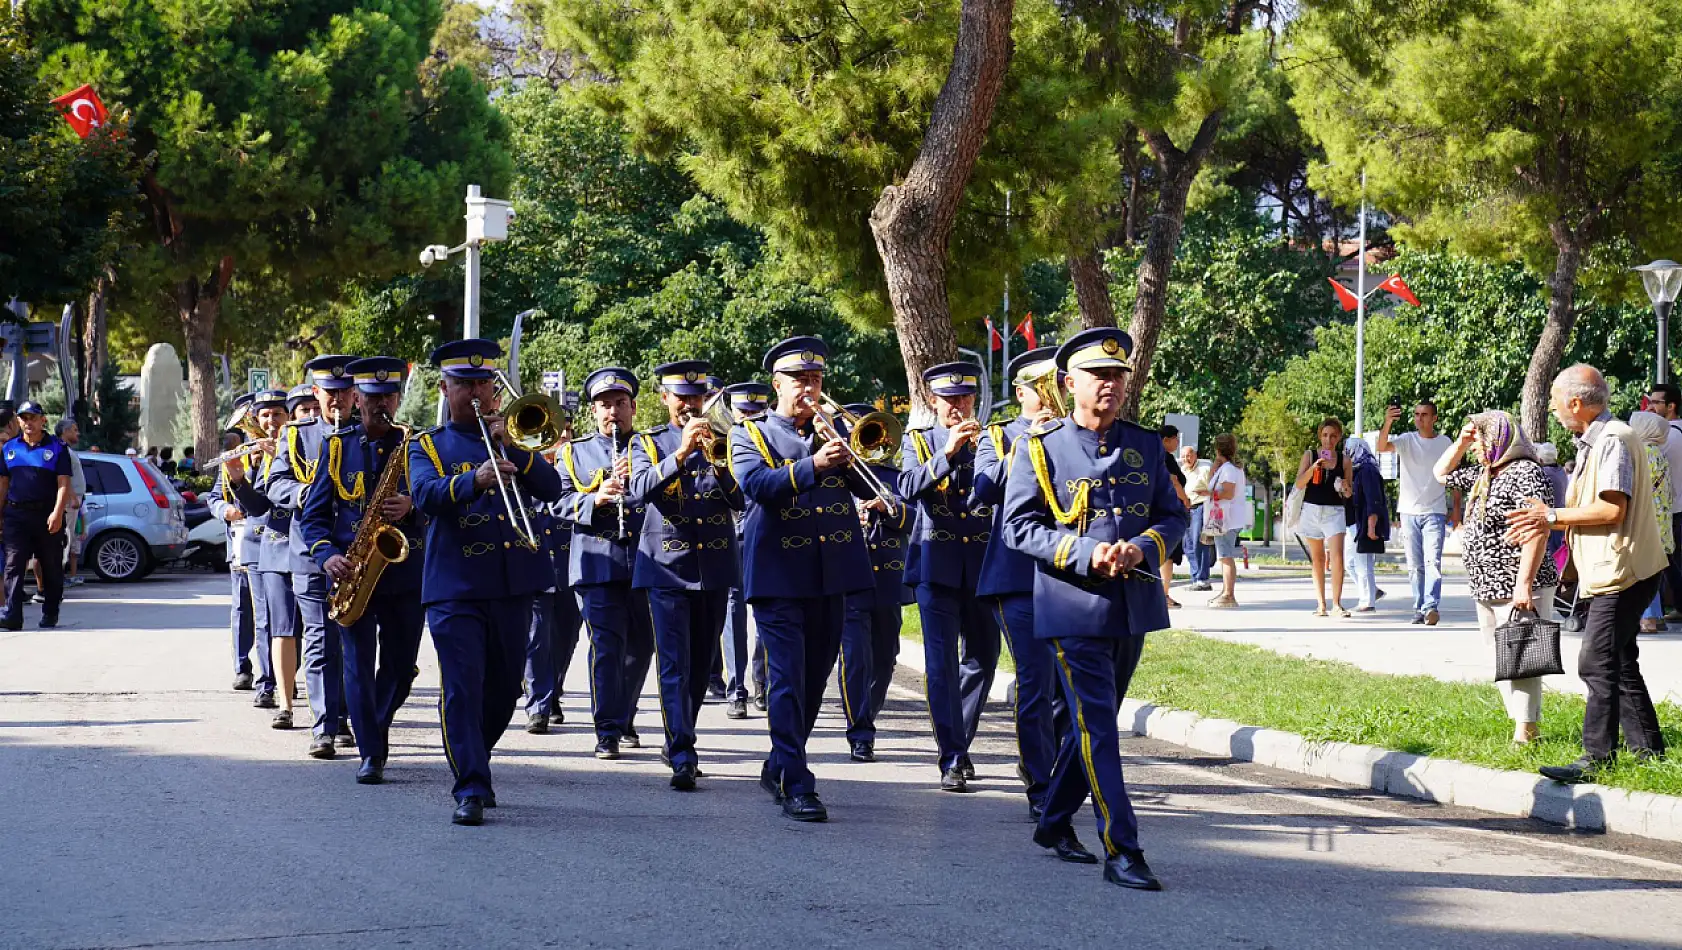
{"x":1337,"y":702}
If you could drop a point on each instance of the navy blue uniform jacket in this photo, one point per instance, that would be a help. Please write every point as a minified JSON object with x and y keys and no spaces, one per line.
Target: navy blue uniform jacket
{"x":688,"y":531}
{"x":347,"y":475}
{"x":599,"y":555}
{"x":1004,"y":570}
{"x":950,"y":535}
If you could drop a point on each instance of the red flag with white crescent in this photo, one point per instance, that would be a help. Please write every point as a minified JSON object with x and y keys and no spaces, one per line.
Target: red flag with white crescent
{"x":82,"y":109}
{"x":994,"y":341}
{"x":1026,"y":330}
{"x":1394,"y":284}
{"x":1345,"y":296}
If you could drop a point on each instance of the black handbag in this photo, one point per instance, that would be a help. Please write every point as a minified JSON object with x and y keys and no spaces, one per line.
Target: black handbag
{"x":1366,"y":545}
{"x":1526,"y":647}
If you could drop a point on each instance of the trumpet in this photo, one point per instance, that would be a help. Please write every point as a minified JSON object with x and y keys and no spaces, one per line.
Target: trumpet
{"x":715,"y":448}
{"x":873,"y":440}
{"x":1045,"y":386}
{"x":532,"y":422}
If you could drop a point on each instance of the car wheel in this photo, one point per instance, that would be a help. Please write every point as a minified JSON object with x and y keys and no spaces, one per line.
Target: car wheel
{"x":119,"y":556}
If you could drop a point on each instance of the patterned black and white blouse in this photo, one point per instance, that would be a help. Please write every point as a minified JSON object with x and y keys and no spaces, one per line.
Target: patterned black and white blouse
{"x":1492,"y":563}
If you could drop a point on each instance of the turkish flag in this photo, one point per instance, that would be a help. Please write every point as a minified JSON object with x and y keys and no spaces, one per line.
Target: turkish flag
{"x":82,"y":109}
{"x":1344,"y":295}
{"x":994,"y":341}
{"x":1395,"y":285}
{"x":1026,"y":329}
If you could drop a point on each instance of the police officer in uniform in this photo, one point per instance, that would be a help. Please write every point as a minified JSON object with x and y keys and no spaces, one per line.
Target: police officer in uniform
{"x":479,"y":576}
{"x":1007,"y":585}
{"x":380,"y":647}
{"x":687,"y":560}
{"x":554,"y":624}
{"x":267,"y":553}
{"x":607,"y":520}
{"x":803,"y":553}
{"x":870,"y":639}
{"x":35,"y":493}
{"x":747,"y":401}
{"x":248,"y":624}
{"x":292,"y":475}
{"x":937,"y":473}
{"x":1090,"y":501}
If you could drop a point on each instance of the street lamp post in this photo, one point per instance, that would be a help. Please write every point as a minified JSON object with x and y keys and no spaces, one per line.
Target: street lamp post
{"x":487,"y":220}
{"x":1662,"y":280}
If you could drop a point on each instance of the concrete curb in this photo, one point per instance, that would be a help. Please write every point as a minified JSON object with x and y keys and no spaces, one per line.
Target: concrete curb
{"x":1445,"y":781}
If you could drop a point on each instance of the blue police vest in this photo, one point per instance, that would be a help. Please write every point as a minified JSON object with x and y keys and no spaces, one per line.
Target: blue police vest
{"x":599,"y":555}
{"x":951,"y":536}
{"x":472,"y":552}
{"x":801,"y":535}
{"x":688,"y":537}
{"x":1004,"y":570}
{"x":1071,"y":488}
{"x":347,"y":474}
{"x":33,"y":471}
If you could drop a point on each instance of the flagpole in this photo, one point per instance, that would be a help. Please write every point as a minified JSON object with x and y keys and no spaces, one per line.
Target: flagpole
{"x":1004,"y":331}
{"x":1361,"y":318}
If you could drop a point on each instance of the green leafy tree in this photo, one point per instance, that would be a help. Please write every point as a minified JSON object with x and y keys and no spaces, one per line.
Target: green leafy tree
{"x":1539,"y":130}
{"x":115,"y":414}
{"x":63,"y":200}
{"x":304,"y":141}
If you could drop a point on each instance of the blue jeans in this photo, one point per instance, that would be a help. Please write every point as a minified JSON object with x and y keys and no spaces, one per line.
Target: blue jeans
{"x":1200,"y":557}
{"x":1361,"y":569}
{"x":1423,"y":537}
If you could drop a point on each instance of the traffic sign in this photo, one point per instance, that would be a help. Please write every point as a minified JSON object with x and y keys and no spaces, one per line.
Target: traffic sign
{"x":554,"y":381}
{"x":256,"y":380}
{"x":571,"y":400}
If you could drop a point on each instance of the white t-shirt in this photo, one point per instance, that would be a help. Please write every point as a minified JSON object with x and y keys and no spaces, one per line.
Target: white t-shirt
{"x":1673,"y":454}
{"x":1421,"y":493}
{"x":1236,"y":510}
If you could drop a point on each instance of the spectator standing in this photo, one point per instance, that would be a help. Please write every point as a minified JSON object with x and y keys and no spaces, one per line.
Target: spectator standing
{"x":1506,"y":578}
{"x":1651,"y":429}
{"x":70,"y":434}
{"x":1422,"y":503}
{"x":1613,"y":536}
{"x":1231,"y":510}
{"x":1666,"y":401}
{"x":1170,"y":455}
{"x":188,"y":465}
{"x":1200,"y":557}
{"x":1368,"y":514}
{"x":166,"y":461}
{"x":1324,"y":478}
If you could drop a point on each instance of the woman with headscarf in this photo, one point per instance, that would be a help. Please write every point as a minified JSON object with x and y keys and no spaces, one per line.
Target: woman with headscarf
{"x":1368,"y":514}
{"x":1652,"y":429}
{"x":1506,"y":578}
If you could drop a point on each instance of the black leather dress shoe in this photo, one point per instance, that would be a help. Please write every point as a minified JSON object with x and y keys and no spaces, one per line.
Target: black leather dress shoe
{"x":322,"y":748}
{"x":1129,"y":869}
{"x":631,"y":740}
{"x":242,"y":682}
{"x":471,"y":811}
{"x":10,"y":624}
{"x":537,"y":724}
{"x":489,"y":800}
{"x":737,"y":709}
{"x":1067,"y":846}
{"x":1035,"y":811}
{"x":48,"y":621}
{"x":683,"y":777}
{"x":805,"y":807}
{"x":371,"y":773}
{"x":772,"y":787}
{"x":1585,"y":769}
{"x":715,"y":692}
{"x":265,"y":699}
{"x":282,"y":720}
{"x":557,"y":717}
{"x":759,"y":702}
{"x":953,"y":780}
{"x":968,"y":768}
{"x":864,"y":752}
{"x":607,"y":748}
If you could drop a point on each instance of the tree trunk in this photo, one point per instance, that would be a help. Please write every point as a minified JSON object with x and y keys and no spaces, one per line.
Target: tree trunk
{"x":1092,"y":288}
{"x":95,"y":345}
{"x":1179,"y":168}
{"x":1556,"y":332}
{"x":198,"y":305}
{"x":912,"y":221}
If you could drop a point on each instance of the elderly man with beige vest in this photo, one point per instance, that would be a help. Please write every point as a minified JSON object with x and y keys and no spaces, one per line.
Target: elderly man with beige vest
{"x":1613,"y":536}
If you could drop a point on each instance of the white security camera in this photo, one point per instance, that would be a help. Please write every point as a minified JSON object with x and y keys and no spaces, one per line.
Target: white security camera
{"x":427,"y":257}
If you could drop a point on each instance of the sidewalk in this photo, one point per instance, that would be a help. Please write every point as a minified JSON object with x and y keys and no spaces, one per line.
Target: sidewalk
{"x":1277,"y":613}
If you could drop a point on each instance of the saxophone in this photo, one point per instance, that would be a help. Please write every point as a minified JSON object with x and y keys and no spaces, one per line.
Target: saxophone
{"x":377,"y":543}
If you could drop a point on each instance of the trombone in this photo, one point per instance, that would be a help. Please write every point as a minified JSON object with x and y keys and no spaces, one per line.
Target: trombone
{"x":532,"y":422}
{"x":873,"y":439}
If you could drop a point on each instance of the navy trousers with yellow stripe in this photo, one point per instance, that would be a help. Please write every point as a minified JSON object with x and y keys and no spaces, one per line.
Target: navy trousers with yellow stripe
{"x":616,"y":618}
{"x":1095,"y":672}
{"x":957,"y":686}
{"x":379,"y":657}
{"x":802,"y":637}
{"x":481,"y":648}
{"x":1040,"y":714}
{"x":686,"y":624}
{"x":869,"y":648}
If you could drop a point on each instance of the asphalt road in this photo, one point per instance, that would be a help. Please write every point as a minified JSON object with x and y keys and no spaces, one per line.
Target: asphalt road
{"x":146,"y":805}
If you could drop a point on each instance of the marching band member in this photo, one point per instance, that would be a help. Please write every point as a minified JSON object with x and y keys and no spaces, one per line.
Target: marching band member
{"x":1007,"y":585}
{"x":266,"y":553}
{"x":870,"y":639}
{"x":554,"y":624}
{"x":351,"y":467}
{"x":595,"y":499}
{"x":803,"y":553}
{"x":686,"y":561}
{"x":479,"y":576}
{"x":937,"y":472}
{"x":1089,"y":499}
{"x":747,"y":401}
{"x":248,"y":625}
{"x":289,"y":478}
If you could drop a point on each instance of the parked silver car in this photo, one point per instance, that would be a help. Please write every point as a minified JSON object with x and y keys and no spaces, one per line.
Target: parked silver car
{"x":134,"y":516}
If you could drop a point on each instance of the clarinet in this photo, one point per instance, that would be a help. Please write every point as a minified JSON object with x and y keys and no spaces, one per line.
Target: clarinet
{"x":614,"y":434}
